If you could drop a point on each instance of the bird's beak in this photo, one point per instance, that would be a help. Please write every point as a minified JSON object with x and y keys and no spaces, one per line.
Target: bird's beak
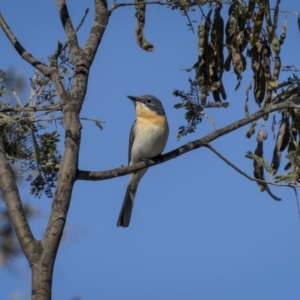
{"x":132,"y":98}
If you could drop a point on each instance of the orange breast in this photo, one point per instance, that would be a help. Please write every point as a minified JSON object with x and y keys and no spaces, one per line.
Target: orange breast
{"x":147,"y":116}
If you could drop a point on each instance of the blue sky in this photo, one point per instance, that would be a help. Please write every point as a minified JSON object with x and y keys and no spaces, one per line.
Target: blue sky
{"x":199,"y":230}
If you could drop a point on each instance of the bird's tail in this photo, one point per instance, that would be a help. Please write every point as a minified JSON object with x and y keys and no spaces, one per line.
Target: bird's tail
{"x":126,"y":210}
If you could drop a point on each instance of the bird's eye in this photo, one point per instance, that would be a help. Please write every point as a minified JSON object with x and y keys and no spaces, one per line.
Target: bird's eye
{"x":148,"y":101}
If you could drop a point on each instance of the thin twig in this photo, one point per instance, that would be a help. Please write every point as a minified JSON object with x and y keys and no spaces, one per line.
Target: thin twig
{"x":210,"y":147}
{"x":188,"y":17}
{"x":65,"y":45}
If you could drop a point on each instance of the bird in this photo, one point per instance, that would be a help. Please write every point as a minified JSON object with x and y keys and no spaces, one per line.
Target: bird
{"x":148,"y":137}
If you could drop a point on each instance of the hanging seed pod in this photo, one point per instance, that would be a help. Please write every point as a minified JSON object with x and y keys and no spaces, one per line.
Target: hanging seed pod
{"x":237,"y":62}
{"x":259,"y":87}
{"x":246,"y":107}
{"x":266,"y":61}
{"x":230,"y":29}
{"x":250,"y":9}
{"x":273,"y":40}
{"x":258,"y":167}
{"x":283,"y":138}
{"x":217,"y":37}
{"x":275,"y":161}
{"x":139,"y":30}
{"x":202,"y":40}
{"x":284,"y":130}
{"x":276,"y":71}
{"x":251,"y":130}
{"x":293,"y":145}
{"x":272,"y":36}
{"x":283,"y":32}
{"x":258,"y":22}
{"x":255,"y":54}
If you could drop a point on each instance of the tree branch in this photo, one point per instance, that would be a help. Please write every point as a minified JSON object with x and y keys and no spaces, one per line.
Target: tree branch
{"x":97,"y":31}
{"x":32,"y":108}
{"x":14,"y":205}
{"x":21,"y":50}
{"x":68,"y":26}
{"x":122,"y":171}
{"x":62,"y":47}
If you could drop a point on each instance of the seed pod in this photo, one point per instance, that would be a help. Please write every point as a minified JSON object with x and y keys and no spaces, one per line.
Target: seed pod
{"x":255,"y":54}
{"x":258,"y":167}
{"x":139,"y":30}
{"x":265,"y":59}
{"x":284,"y":131}
{"x":251,"y":130}
{"x":238,"y":61}
{"x":259,"y":87}
{"x":202,"y":41}
{"x":283,"y":138}
{"x":230,"y":29}
{"x":258,"y":24}
{"x":217,"y":37}
{"x":273,"y":40}
{"x":276,"y":71}
{"x":283,"y":32}
{"x":250,"y":9}
{"x":246,"y":107}
{"x":275,"y":161}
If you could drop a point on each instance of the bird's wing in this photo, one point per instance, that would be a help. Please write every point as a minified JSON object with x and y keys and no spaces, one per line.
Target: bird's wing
{"x":131,"y":139}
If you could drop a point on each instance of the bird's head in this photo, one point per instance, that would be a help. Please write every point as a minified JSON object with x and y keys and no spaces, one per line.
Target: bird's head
{"x":148,"y":102}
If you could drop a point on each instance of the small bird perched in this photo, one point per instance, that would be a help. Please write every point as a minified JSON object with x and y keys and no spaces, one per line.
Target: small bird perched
{"x":148,"y":138}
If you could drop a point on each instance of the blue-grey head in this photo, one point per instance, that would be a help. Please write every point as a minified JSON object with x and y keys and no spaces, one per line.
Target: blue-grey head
{"x":149,"y":102}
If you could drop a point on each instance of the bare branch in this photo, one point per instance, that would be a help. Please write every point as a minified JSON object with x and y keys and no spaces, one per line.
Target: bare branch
{"x":21,"y":50}
{"x":210,"y":147}
{"x":68,"y":26}
{"x":122,"y":171}
{"x":62,"y":47}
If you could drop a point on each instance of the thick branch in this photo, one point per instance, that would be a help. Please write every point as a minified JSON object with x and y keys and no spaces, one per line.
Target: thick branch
{"x":14,"y":204}
{"x":68,"y":26}
{"x":21,"y":50}
{"x":97,"y":31}
{"x":102,"y":175}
